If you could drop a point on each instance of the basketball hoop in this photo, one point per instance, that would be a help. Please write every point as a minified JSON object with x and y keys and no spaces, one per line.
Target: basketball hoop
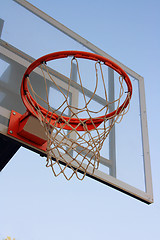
{"x":76,"y":142}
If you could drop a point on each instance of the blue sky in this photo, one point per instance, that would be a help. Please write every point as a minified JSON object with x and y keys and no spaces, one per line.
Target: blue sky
{"x":36,"y":205}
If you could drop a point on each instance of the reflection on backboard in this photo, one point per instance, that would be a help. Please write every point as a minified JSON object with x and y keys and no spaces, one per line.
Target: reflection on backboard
{"x":124,"y":157}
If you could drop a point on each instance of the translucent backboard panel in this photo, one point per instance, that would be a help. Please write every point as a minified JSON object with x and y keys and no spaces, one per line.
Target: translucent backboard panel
{"x":125,"y":160}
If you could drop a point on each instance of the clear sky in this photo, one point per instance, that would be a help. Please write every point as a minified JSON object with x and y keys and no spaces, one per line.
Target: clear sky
{"x":36,"y":205}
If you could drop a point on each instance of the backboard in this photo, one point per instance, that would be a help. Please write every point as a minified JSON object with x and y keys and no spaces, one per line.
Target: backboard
{"x":125,"y":158}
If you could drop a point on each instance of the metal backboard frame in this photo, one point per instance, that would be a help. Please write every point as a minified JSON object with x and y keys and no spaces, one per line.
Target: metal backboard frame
{"x":14,"y":55}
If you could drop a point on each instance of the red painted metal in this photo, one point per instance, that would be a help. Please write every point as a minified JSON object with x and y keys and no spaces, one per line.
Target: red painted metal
{"x":16,"y":129}
{"x":74,"y":122}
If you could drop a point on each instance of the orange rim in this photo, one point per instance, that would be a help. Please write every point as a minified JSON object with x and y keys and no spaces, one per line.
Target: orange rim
{"x":74,"y":122}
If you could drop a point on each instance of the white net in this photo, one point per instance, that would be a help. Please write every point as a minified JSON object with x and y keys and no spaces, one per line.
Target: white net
{"x":75,"y":142}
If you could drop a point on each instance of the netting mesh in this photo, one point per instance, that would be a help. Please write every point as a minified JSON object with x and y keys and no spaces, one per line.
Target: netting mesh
{"x":67,"y":147}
